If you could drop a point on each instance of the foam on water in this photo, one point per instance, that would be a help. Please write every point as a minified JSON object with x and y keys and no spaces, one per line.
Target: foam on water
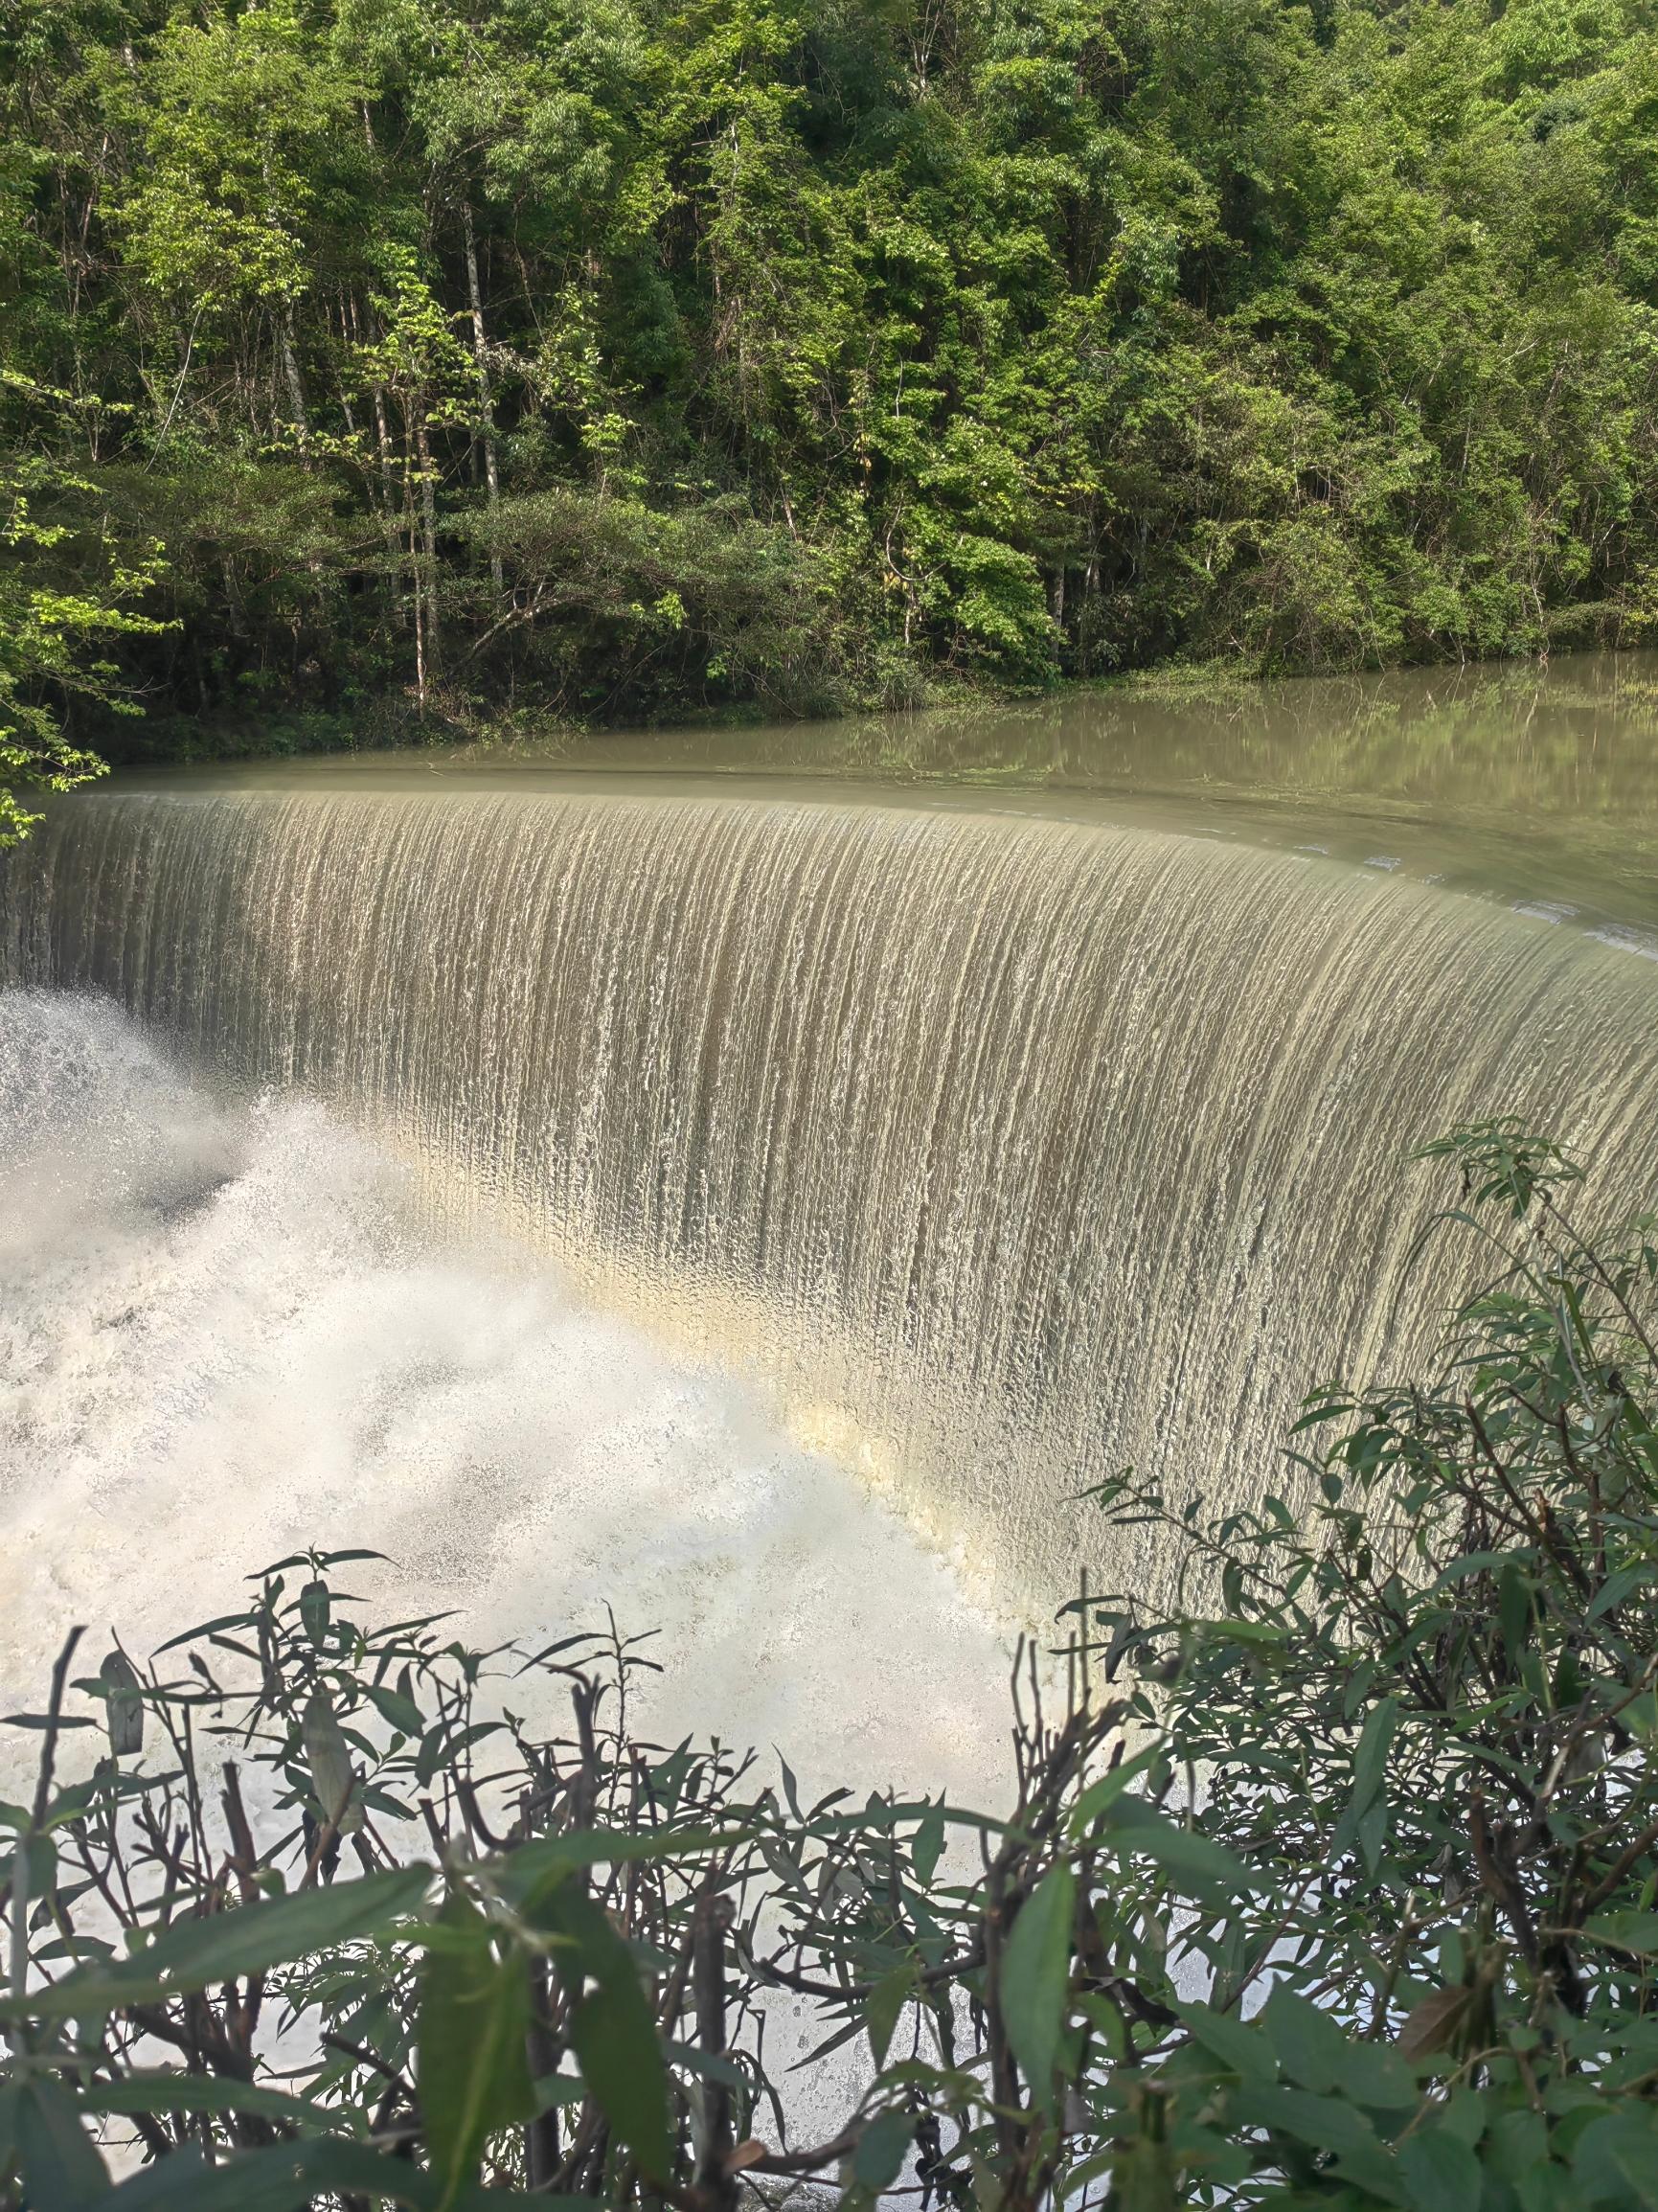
{"x":223,"y":1336}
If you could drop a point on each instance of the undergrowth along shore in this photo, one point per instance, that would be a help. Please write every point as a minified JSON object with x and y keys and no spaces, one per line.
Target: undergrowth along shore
{"x":1333,"y":1887}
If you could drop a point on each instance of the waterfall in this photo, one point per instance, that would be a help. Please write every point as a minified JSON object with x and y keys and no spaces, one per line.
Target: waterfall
{"x":1006,"y":1151}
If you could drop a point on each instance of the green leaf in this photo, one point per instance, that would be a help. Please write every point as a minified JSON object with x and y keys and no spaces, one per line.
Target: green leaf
{"x":124,"y":1703}
{"x":438,"y":1746}
{"x":1548,"y":2188}
{"x":1617,"y":1587}
{"x":208,"y":1629}
{"x":613,"y":2030}
{"x":314,"y":1609}
{"x":1266,"y":1635}
{"x":41,"y":1856}
{"x":1377,"y":2077}
{"x":1370,"y":1764}
{"x":1035,"y":1977}
{"x":882,"y":2149}
{"x":287,"y":2177}
{"x":250,"y":1939}
{"x":1470,"y":1563}
{"x":1100,"y":1795}
{"x":252,"y":2181}
{"x":393,"y":1708}
{"x":1373,"y":1834}
{"x":1636,"y":1932}
{"x":552,"y":1857}
{"x":1616,"y":2159}
{"x":1193,"y":1859}
{"x":474,"y":2071}
{"x":1309,"y":2044}
{"x":928,"y":1845}
{"x":59,"y":2163}
{"x":1369,"y":1770}
{"x":790,"y":1787}
{"x":1513,"y":1608}
{"x":334,"y":1782}
{"x":1240,"y":2049}
{"x":1315,"y":2051}
{"x":163,"y":2090}
{"x":1440,"y":2171}
{"x":1328,"y":2124}
{"x":70,"y":1804}
{"x":709,"y":2064}
{"x":559,"y":2090}
{"x":886,"y":2001}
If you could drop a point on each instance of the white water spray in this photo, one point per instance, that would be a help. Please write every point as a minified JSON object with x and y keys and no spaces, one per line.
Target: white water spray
{"x":223,"y":1336}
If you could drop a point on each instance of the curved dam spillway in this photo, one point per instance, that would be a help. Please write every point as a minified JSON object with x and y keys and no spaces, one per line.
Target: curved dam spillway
{"x":1007,"y":1151}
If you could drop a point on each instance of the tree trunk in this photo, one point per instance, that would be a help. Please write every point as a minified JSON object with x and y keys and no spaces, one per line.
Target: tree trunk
{"x":429,"y":535}
{"x":292,"y":371}
{"x":387,"y":503}
{"x":413,"y":526}
{"x":486,"y":400}
{"x":710,"y":1926}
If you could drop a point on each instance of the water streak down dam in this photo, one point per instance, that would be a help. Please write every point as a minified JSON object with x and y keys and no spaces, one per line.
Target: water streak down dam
{"x":1009,"y":1150}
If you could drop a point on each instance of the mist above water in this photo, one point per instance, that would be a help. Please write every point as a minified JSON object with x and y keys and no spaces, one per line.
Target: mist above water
{"x":225,"y":1334}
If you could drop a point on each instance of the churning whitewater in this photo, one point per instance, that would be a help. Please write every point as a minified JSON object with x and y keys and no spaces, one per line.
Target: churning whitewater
{"x":223,"y":1335}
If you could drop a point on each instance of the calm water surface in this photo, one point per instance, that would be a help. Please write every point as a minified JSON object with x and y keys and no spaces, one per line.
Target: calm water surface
{"x":1534,"y":786}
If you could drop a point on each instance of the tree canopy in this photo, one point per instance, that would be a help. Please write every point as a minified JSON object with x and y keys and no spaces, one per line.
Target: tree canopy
{"x":637,"y":358}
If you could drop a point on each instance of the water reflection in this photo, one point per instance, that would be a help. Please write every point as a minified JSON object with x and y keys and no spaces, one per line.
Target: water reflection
{"x":1535,"y":784}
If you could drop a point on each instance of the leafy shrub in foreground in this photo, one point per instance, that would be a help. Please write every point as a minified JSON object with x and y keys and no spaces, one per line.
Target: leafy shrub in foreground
{"x":1338,"y":1892}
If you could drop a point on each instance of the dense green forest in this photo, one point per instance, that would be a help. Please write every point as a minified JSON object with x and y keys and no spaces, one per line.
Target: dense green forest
{"x":394,"y":358}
